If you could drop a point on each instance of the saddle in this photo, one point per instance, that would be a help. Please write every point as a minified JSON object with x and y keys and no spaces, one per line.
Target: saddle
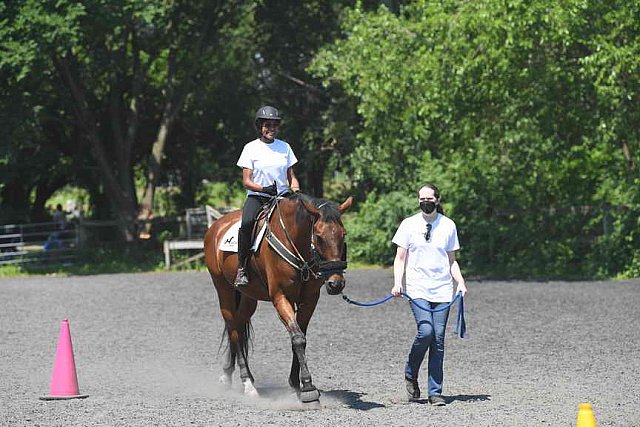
{"x":230,"y":238}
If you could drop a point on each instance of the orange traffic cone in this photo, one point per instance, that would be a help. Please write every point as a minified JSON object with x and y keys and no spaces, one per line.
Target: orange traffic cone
{"x":585,"y":416}
{"x":64,"y":382}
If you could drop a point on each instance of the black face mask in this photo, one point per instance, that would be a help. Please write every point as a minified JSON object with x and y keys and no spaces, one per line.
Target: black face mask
{"x":428,"y":206}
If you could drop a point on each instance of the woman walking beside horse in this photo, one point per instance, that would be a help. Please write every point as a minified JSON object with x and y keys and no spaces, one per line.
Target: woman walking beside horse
{"x":426,"y":260}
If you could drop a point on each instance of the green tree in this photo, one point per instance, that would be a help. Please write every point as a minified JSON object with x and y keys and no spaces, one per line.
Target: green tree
{"x":525,"y":107}
{"x":128,"y":68}
{"x":289,"y":35}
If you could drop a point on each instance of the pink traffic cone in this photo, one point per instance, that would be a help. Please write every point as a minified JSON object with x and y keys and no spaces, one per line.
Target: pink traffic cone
{"x":64,"y":382}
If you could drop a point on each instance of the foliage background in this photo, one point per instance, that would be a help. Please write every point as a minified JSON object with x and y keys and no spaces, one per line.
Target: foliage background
{"x":524,"y":113}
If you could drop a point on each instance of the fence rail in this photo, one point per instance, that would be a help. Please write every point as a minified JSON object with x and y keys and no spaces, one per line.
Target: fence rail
{"x":198,"y":220}
{"x":46,"y":242}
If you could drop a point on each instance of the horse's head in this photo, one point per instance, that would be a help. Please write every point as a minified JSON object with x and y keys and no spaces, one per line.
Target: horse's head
{"x":328,"y":242}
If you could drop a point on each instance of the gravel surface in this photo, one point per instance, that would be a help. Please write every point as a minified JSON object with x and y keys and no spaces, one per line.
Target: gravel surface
{"x":146,"y":352}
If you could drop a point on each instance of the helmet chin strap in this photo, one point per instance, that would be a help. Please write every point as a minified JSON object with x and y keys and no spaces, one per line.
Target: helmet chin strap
{"x":266,"y":140}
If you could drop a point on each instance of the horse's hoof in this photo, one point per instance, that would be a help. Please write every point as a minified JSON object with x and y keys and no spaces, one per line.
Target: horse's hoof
{"x":225,"y":380}
{"x":307,"y":396}
{"x":252,"y":393}
{"x":249,"y":389}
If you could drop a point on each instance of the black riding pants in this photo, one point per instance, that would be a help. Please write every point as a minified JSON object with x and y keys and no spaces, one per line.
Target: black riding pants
{"x":252,"y":206}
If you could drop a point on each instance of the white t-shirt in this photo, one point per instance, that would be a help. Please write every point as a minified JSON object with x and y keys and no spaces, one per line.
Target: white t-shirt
{"x":427,"y":269}
{"x":269,"y":163}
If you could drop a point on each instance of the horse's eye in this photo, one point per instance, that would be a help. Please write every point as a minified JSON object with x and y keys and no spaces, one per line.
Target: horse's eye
{"x":319,"y":240}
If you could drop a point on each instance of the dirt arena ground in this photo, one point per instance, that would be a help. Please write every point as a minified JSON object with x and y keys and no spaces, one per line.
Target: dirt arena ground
{"x":146,"y":352}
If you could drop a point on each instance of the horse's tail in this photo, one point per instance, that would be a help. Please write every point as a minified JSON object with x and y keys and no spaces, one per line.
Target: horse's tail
{"x":246,"y":333}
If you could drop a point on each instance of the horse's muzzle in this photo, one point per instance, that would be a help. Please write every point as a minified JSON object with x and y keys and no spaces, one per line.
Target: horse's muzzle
{"x":335,"y":286}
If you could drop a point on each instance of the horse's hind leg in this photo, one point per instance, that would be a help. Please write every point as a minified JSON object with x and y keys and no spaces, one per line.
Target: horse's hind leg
{"x":236,"y":311}
{"x":229,"y":364}
{"x":246,"y":309}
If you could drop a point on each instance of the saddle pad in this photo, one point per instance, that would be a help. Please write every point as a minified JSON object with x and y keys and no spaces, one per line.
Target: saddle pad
{"x":230,"y":238}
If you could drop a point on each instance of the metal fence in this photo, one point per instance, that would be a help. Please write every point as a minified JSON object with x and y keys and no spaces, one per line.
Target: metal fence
{"x":197,"y":221}
{"x":44,"y":242}
{"x":47,"y":243}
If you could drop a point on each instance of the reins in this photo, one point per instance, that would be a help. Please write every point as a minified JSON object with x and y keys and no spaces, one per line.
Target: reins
{"x":296,"y":260}
{"x":316,"y":268}
{"x":305,"y":267}
{"x":461,"y":325}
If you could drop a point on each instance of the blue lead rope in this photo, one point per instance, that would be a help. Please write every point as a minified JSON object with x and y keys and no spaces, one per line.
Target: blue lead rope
{"x":461,"y":325}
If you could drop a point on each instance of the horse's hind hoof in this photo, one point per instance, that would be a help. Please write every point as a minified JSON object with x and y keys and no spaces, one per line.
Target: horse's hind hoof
{"x":225,"y":380}
{"x":307,"y":396}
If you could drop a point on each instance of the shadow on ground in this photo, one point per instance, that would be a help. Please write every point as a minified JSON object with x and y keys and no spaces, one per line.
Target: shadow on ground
{"x":468,"y":398}
{"x":286,"y":396}
{"x":352,"y":399}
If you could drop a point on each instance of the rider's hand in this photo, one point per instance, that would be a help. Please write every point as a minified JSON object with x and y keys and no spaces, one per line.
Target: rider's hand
{"x":271,"y":190}
{"x":395,"y":291}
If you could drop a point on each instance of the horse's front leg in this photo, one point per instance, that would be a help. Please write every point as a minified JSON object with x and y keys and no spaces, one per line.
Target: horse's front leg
{"x":308,"y":392}
{"x":303,"y":316}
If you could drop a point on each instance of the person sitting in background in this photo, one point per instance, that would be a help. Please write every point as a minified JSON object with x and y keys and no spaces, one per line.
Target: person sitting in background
{"x":59,"y":217}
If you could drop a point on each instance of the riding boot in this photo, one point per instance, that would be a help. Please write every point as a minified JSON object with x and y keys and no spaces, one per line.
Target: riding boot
{"x":244,"y":243}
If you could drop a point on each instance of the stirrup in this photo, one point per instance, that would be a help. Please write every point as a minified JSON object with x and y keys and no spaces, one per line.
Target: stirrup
{"x":242,"y":278}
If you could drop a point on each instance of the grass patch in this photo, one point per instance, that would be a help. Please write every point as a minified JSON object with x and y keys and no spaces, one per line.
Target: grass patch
{"x":106,"y":259}
{"x":137,"y":257}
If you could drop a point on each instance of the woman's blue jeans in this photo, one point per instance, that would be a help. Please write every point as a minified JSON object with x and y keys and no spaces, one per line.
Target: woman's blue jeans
{"x":430,"y":336}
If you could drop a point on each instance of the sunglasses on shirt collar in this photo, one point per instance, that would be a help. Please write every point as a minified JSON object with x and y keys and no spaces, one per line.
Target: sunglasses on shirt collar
{"x":427,"y":235}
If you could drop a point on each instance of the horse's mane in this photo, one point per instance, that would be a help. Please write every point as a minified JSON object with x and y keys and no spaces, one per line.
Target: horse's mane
{"x":328,"y":209}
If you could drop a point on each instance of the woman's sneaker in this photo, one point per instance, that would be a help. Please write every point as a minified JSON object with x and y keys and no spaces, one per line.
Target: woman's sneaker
{"x":437,"y":400}
{"x":413,"y":391}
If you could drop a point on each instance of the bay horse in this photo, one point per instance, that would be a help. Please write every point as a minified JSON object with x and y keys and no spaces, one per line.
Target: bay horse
{"x":302,"y":249}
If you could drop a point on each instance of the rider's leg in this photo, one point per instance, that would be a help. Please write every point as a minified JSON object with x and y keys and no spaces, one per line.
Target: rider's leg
{"x":249,"y":213}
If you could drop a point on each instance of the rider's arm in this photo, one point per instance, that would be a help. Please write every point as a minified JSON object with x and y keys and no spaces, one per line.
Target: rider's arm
{"x":293,"y":181}
{"x":398,"y":270}
{"x":247,"y":181}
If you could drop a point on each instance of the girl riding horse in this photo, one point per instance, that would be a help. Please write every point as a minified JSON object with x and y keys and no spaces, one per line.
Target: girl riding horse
{"x":303,"y":248}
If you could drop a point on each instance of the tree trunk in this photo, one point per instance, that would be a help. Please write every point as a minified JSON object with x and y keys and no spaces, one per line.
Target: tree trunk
{"x":314,"y":178}
{"x":15,"y":202}
{"x":122,"y":199}
{"x":155,"y":163}
{"x":175,"y":98}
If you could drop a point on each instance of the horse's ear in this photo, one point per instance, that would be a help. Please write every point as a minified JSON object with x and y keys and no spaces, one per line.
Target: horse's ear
{"x":345,"y":205}
{"x":310,"y":207}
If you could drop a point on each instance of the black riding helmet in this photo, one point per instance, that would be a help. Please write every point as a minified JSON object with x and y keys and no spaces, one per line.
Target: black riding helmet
{"x":266,"y":113}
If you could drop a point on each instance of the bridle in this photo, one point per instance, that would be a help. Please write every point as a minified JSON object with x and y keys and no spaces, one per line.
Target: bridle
{"x":316,"y":267}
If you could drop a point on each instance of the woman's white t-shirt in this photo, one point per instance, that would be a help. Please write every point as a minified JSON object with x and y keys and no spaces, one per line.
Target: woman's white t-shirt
{"x":427,"y":270}
{"x":269,"y":163}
